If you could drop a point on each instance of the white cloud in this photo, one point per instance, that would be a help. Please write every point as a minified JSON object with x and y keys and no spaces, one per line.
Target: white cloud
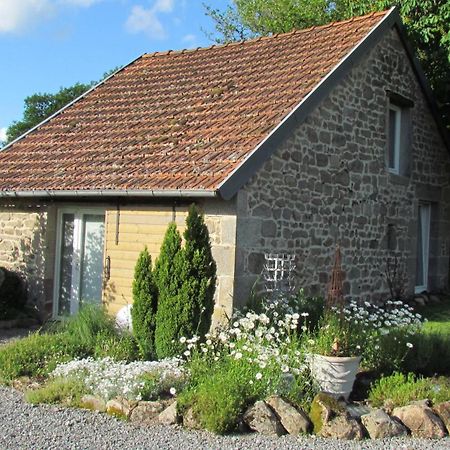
{"x":2,"y":135}
{"x":15,"y":15}
{"x":146,"y":20}
{"x":190,"y":40}
{"x":82,"y":3}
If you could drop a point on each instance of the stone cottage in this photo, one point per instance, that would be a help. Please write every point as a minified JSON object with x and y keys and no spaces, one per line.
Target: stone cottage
{"x":290,"y":144}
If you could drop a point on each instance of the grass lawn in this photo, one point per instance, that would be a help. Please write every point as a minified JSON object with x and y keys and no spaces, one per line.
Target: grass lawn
{"x":438,"y":316}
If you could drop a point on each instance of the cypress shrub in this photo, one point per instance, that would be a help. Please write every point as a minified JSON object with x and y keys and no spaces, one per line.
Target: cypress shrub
{"x":168,"y":275}
{"x":199,"y":277}
{"x":145,"y":301}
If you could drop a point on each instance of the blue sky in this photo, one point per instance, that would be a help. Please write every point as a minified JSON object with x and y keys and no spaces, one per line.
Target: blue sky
{"x":47,"y":44}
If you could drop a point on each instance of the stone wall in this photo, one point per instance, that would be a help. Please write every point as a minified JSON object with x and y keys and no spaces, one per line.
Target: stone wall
{"x":24,"y":246}
{"x":328,"y":184}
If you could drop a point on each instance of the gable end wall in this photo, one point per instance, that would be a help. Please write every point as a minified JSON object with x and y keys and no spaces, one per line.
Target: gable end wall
{"x":328,"y":183}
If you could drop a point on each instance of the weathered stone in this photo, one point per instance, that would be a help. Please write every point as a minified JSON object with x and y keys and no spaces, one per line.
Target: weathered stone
{"x":293,"y":420}
{"x":170,"y":415}
{"x":331,"y":419}
{"x":421,"y":421}
{"x":380,"y":425}
{"x":120,"y":407}
{"x":93,"y":403}
{"x":262,"y":419}
{"x":145,"y":412}
{"x":190,"y":420}
{"x":443,"y":411}
{"x":269,"y":228}
{"x":342,"y":427}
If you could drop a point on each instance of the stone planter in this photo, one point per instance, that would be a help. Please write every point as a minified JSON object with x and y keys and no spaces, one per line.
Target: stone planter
{"x":335,"y":374}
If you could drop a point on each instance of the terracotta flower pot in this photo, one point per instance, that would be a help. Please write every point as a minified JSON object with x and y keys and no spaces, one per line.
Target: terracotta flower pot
{"x":335,"y":374}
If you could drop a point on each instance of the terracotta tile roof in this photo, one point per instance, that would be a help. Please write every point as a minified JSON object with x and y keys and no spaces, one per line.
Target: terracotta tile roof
{"x":178,"y":120}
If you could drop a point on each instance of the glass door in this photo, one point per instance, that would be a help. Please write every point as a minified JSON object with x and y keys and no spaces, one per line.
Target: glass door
{"x":423,"y":247}
{"x":79,"y":260}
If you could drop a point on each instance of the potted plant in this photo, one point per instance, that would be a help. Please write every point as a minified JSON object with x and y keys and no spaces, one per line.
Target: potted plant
{"x":335,"y":354}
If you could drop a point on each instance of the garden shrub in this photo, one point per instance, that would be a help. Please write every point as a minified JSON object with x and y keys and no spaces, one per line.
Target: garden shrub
{"x":399,"y":389}
{"x":12,"y":294}
{"x":145,"y":302}
{"x":168,"y":275}
{"x":37,"y":355}
{"x":67,"y":391}
{"x":199,"y":280}
{"x":90,"y":322}
{"x":122,"y":347}
{"x":430,"y":354}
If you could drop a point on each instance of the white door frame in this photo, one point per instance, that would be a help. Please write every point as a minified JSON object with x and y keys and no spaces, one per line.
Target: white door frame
{"x":78,"y":213}
{"x":424,"y":213}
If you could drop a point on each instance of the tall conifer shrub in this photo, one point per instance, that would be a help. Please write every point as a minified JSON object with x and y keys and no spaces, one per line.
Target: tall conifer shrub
{"x":145,"y":302}
{"x":186,"y":279}
{"x":168,"y":275}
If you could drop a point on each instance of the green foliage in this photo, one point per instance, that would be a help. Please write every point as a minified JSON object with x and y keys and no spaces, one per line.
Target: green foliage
{"x":168,"y":277}
{"x":221,"y":395}
{"x":88,"y":324}
{"x":122,"y":347}
{"x":399,"y":390}
{"x":67,"y":391}
{"x":430,"y":354}
{"x":186,"y":280}
{"x":12,"y":294}
{"x":37,"y":355}
{"x":199,"y":281}
{"x":427,"y":23}
{"x":89,"y":333}
{"x":42,"y":105}
{"x":156,"y":387}
{"x":145,"y":302}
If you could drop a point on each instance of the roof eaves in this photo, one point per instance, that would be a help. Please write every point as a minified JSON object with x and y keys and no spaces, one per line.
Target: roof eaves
{"x":69,"y":104}
{"x":231,"y":185}
{"x":111,"y":193}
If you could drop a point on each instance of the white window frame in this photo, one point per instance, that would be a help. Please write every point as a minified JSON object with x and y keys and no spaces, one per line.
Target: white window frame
{"x":397,"y":139}
{"x":78,"y":213}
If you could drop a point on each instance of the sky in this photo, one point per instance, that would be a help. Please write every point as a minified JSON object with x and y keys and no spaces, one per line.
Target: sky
{"x":48,"y":44}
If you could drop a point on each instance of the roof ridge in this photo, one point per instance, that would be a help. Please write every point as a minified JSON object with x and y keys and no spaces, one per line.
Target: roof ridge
{"x":270,"y":37}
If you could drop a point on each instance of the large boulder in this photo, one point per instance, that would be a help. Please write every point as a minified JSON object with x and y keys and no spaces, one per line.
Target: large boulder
{"x":145,"y":413}
{"x":190,"y":420}
{"x":380,"y":425}
{"x":120,"y":407}
{"x":93,"y":403}
{"x":443,"y":411}
{"x":293,"y":420}
{"x":331,"y":419}
{"x":262,"y":419}
{"x":421,"y":421}
{"x":170,"y":415}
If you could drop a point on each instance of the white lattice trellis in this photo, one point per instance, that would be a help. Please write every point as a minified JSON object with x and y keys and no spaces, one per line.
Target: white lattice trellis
{"x":279,"y":276}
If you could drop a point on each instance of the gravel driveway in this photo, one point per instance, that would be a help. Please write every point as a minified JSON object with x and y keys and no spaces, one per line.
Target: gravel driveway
{"x":23,"y":426}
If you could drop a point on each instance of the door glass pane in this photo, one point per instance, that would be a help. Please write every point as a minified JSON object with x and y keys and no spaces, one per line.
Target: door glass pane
{"x":66,"y":266}
{"x":419,"y":262}
{"x":92,"y":258}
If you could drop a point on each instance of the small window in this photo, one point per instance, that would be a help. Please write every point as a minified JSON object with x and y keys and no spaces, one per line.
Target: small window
{"x":395,"y":135}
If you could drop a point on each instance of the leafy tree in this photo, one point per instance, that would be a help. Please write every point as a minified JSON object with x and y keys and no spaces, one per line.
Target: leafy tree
{"x":169,"y":268}
{"x":145,"y":302}
{"x":42,"y":105}
{"x":427,"y":23}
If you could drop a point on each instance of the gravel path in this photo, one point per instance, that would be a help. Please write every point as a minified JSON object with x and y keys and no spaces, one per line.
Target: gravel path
{"x":23,"y":426}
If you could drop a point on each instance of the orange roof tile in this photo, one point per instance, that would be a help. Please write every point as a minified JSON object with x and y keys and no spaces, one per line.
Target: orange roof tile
{"x":178,"y":120}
